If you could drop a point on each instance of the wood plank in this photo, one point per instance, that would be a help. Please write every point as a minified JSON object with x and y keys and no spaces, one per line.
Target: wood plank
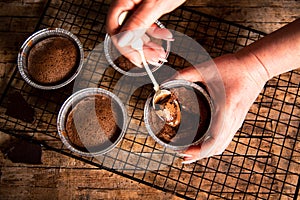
{"x":21,"y":9}
{"x":35,"y":182}
{"x":266,"y":16}
{"x":243,"y":3}
{"x":237,"y":177}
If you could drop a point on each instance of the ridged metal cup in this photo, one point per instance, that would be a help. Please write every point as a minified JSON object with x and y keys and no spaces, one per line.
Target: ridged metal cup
{"x":193,"y":138}
{"x":35,"y":39}
{"x":71,"y":102}
{"x":111,"y":54}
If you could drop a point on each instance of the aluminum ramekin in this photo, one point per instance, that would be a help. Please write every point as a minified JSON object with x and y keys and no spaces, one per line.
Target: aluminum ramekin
{"x":173,"y":84}
{"x":34,"y":39}
{"x":109,"y":48}
{"x":71,"y":102}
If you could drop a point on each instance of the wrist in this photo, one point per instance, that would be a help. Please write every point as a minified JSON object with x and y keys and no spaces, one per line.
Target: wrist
{"x":253,"y":65}
{"x":277,"y":52}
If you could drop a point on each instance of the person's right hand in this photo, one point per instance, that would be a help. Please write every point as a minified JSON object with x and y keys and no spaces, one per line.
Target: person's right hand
{"x":143,"y":14}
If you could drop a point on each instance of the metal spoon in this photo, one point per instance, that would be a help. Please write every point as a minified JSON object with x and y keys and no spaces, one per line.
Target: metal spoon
{"x":159,"y":94}
{"x":138,"y":45}
{"x":172,"y":119}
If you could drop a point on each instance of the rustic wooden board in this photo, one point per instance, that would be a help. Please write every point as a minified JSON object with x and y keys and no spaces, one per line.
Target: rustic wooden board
{"x":63,"y":177}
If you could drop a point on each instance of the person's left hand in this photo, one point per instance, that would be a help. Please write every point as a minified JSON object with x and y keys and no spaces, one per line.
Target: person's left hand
{"x":243,"y":78}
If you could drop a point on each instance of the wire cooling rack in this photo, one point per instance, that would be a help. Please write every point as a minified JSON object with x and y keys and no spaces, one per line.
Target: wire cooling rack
{"x":262,"y":161}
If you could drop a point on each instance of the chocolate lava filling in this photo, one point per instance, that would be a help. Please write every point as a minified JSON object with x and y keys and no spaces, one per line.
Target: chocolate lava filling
{"x":93,"y":123}
{"x":169,"y":110}
{"x":195,"y":119}
{"x":52,"y":60}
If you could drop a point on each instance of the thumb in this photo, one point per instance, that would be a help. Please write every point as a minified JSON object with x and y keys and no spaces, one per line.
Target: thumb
{"x":147,"y":12}
{"x":144,"y":16}
{"x":137,"y":23}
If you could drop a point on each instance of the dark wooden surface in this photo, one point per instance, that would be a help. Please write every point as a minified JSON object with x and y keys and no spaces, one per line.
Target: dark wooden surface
{"x":73,"y":179}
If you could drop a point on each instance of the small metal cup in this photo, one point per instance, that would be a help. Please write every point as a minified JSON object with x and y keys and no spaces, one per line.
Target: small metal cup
{"x":196,"y":116}
{"x":111,"y":54}
{"x":38,"y":37}
{"x":70,"y":104}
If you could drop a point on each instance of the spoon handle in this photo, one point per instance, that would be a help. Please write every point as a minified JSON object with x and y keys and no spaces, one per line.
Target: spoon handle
{"x":138,"y":45}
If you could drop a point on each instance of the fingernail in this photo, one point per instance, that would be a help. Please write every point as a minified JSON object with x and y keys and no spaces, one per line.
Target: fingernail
{"x":137,"y":64}
{"x":188,"y":161}
{"x":154,"y":63}
{"x":163,"y":59}
{"x":122,"y":17}
{"x":169,"y":39}
{"x":146,"y":38}
{"x":125,"y":39}
{"x":184,"y":155}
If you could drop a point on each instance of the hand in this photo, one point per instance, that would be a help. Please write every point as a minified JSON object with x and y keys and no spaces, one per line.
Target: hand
{"x":141,"y":20}
{"x":243,"y":78}
{"x":144,"y":13}
{"x":243,"y":75}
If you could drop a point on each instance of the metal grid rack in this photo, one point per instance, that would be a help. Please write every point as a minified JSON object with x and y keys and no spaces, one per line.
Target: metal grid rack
{"x":262,"y":161}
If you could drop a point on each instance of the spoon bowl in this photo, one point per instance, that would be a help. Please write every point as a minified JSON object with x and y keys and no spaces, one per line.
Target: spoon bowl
{"x":169,"y":110}
{"x":160,"y":95}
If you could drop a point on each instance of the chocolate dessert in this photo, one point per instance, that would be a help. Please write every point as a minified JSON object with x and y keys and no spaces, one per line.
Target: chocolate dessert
{"x":195,"y":118}
{"x":18,"y":108}
{"x":168,"y":109}
{"x":22,"y":151}
{"x":93,"y":123}
{"x":52,"y":60}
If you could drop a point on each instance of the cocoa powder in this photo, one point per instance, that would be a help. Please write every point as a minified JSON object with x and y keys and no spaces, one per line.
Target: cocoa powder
{"x":52,"y":60}
{"x":93,"y":123}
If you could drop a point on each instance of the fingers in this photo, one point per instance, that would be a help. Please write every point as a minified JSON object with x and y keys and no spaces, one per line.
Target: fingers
{"x":127,"y":37}
{"x":203,"y":150}
{"x":116,"y":9}
{"x":133,"y":56}
{"x":144,"y":16}
{"x":160,"y":33}
{"x":154,"y":54}
{"x":137,"y":23}
{"x":220,"y":136}
{"x":139,"y":20}
{"x":208,"y":148}
{"x":191,"y":154}
{"x":148,"y":11}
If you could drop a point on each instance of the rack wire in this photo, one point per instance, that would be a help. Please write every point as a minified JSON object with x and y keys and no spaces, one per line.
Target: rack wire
{"x":262,"y":161}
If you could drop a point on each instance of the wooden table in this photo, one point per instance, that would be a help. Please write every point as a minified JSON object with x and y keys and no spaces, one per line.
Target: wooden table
{"x":62,"y":177}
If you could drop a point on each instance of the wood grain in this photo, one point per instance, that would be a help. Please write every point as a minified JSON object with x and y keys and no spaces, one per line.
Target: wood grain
{"x":62,"y":177}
